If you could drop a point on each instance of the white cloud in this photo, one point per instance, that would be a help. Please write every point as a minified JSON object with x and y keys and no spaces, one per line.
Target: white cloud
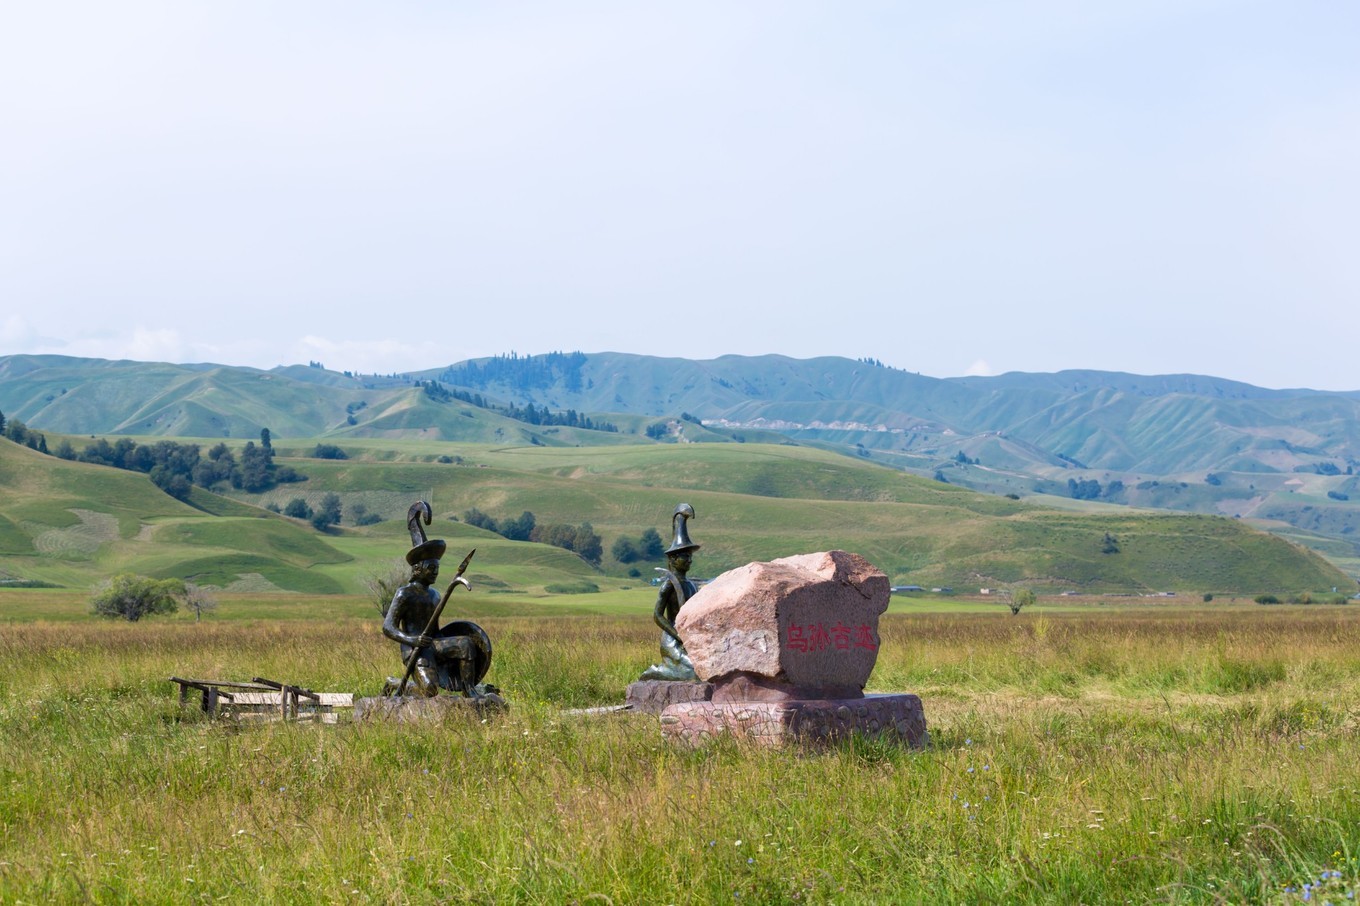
{"x":161,"y":345}
{"x":378,"y":356}
{"x":141,"y":344}
{"x":979,"y":368}
{"x":16,"y":333}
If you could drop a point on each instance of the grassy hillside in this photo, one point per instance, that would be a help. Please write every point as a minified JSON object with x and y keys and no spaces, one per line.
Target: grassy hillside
{"x":89,"y":396}
{"x":759,"y":502}
{"x":81,"y":397}
{"x":720,"y":432}
{"x":71,"y":524}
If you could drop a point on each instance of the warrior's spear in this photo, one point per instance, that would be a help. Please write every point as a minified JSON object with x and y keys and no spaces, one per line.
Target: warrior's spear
{"x":434,"y":618}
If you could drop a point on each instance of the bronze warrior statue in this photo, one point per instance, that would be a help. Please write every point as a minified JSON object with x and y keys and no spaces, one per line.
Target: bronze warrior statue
{"x":455,"y":656}
{"x":674,"y":592}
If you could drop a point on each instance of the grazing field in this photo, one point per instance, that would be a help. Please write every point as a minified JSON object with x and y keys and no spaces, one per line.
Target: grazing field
{"x":1087,"y":755}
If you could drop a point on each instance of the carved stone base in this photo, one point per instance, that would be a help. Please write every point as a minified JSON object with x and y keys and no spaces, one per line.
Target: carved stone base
{"x":898,"y":716}
{"x":654,"y":696}
{"x":413,"y":708}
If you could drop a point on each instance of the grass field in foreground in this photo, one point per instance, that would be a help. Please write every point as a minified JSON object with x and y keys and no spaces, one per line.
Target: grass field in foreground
{"x":1108,"y":755}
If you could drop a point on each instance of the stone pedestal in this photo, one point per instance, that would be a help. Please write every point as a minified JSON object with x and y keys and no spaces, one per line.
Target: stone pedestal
{"x":788,"y":646}
{"x":654,"y":696}
{"x":418,"y":709}
{"x":775,"y":723}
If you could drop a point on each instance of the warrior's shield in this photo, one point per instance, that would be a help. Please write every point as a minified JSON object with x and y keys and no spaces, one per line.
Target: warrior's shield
{"x":481,"y":651}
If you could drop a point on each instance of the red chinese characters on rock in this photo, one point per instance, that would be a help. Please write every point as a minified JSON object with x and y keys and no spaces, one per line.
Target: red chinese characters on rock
{"x":816,"y":637}
{"x":840,"y":633}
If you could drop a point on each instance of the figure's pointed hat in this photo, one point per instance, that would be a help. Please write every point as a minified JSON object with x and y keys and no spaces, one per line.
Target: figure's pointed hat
{"x":680,"y":522}
{"x":422,"y":549}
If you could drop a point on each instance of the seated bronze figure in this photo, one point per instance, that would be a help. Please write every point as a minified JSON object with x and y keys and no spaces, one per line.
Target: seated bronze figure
{"x":453,"y":657}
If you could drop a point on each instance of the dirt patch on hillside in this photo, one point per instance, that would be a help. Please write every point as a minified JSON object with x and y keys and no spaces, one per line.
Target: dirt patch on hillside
{"x":84,"y":540}
{"x":252,"y":583}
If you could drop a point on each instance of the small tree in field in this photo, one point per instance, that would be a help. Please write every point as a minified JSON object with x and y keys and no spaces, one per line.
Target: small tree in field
{"x":382,"y":584}
{"x":1024,"y":597}
{"x":1017,"y":599}
{"x":200,"y":600}
{"x":133,"y":597}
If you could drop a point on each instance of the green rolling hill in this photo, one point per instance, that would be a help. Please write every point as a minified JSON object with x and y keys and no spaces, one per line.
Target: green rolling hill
{"x":1284,"y":460}
{"x":72,"y":524}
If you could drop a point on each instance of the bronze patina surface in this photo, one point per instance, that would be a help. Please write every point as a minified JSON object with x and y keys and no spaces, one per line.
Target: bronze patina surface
{"x":670,"y":597}
{"x":453,"y":657}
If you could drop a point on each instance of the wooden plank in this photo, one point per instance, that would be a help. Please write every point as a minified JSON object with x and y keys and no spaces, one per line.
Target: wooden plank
{"x":335,"y":699}
{"x":259,"y":697}
{"x":220,"y":684}
{"x":275,"y":699}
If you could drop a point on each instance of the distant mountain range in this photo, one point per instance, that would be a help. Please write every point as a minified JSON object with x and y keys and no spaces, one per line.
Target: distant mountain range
{"x":1284,"y":457}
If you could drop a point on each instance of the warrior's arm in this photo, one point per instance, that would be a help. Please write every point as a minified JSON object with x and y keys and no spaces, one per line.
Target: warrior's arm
{"x":668,"y":592}
{"x":392,"y":624}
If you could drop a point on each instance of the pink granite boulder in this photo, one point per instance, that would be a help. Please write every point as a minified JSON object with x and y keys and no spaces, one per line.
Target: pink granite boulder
{"x":803,"y":627}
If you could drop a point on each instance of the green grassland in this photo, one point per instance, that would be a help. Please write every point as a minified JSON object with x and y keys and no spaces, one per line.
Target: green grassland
{"x":1281,"y":457}
{"x":1165,"y":755}
{"x":73,"y":524}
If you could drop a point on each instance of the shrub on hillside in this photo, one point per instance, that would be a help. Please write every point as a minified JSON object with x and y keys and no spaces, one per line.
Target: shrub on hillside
{"x":132,"y":597}
{"x":328,"y":513}
{"x":297,"y":508}
{"x":360,"y":515}
{"x":572,"y":588}
{"x":624,"y":550}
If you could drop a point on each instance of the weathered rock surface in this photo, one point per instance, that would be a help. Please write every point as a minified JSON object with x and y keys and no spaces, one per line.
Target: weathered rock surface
{"x":803,"y":627}
{"x":896,"y":717}
{"x":654,"y":696}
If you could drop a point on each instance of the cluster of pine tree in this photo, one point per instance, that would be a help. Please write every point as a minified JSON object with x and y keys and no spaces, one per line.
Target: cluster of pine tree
{"x":321,"y":518}
{"x":581,"y":540}
{"x":176,"y":467}
{"x":531,"y":372}
{"x":21,"y":434}
{"x":1086,"y":489}
{"x":533,"y":415}
{"x":648,"y":546}
{"x":530,"y":414}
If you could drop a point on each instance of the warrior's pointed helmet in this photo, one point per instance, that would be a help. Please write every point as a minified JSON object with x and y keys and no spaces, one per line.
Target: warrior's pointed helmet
{"x":422,"y":548}
{"x":680,"y":523}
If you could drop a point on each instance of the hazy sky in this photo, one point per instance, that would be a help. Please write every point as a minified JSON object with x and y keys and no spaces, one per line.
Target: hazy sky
{"x":964,"y":187}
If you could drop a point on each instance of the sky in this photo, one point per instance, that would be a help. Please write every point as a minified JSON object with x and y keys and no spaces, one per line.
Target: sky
{"x":949,"y":188}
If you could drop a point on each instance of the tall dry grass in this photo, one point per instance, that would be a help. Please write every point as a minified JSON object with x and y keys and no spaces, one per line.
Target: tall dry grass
{"x":1091,"y":757}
